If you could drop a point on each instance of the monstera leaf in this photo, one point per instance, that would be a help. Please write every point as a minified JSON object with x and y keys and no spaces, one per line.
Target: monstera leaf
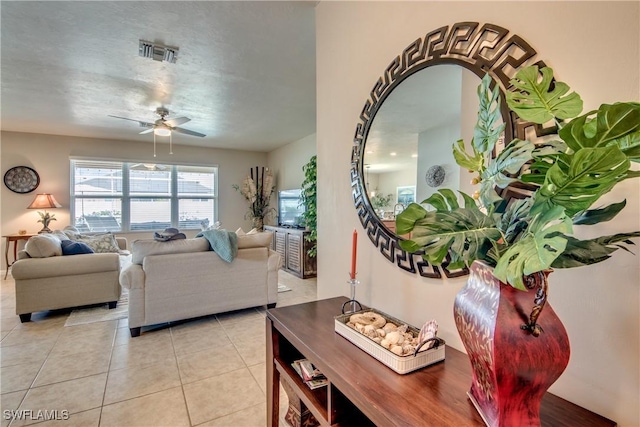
{"x":407,"y":220}
{"x":544,"y":241}
{"x":616,"y":124}
{"x":544,"y":156}
{"x":585,"y":252}
{"x":576,"y":186}
{"x":509,"y":162}
{"x":464,"y":233}
{"x":488,"y":128}
{"x":630,"y":146}
{"x":467,"y":161}
{"x":594,"y":216}
{"x":515,"y":220}
{"x":486,"y":132}
{"x":535,"y":101}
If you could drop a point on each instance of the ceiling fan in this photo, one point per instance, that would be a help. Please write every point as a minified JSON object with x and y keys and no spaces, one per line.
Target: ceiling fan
{"x":163,"y":127}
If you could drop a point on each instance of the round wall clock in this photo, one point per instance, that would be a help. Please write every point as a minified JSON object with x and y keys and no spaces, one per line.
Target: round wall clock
{"x":21,"y":179}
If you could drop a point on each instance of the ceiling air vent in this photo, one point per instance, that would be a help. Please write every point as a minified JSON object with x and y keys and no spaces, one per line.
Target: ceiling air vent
{"x":158,"y":52}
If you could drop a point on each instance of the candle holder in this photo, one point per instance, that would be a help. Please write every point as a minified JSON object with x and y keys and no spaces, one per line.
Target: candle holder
{"x":350,"y":305}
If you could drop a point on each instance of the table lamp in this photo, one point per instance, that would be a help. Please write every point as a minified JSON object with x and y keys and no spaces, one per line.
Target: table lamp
{"x":45,"y":201}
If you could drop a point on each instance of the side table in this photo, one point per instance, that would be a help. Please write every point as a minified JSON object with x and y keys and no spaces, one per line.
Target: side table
{"x":13,"y":238}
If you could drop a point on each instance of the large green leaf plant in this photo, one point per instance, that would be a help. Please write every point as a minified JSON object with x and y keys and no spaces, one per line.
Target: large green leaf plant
{"x":309,"y":201}
{"x":566,"y":177}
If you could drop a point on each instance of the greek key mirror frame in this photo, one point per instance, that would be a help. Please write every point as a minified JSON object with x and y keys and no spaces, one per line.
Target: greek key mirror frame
{"x":482,"y":49}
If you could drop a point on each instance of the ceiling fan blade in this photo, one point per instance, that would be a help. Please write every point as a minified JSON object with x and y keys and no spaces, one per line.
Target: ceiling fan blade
{"x":140,"y":122}
{"x":146,"y":131}
{"x":177,"y":121}
{"x":189,"y":132}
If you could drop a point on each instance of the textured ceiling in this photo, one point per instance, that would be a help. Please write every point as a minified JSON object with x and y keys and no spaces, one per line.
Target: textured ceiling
{"x":245,"y":73}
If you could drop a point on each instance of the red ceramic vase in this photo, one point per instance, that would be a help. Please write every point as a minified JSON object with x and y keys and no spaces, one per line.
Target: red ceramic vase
{"x":512,"y":368}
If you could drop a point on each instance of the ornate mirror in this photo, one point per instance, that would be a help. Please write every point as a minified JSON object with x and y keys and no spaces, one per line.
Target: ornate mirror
{"x":423,"y":102}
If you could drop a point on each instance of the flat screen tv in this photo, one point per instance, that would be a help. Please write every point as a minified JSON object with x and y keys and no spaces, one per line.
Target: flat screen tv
{"x":290,"y":208}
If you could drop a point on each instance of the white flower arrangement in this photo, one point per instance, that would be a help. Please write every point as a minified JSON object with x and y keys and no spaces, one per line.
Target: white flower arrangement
{"x":257,"y":189}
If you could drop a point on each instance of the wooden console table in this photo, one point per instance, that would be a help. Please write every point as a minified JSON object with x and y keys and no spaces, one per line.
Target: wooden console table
{"x":363,"y":391}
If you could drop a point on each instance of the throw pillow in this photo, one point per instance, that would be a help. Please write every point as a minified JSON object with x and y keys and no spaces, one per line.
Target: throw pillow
{"x":43,"y":246}
{"x":100,"y":243}
{"x":60,"y":235}
{"x":255,"y":240}
{"x":69,"y":247}
{"x":71,"y":234}
{"x":240,"y":231}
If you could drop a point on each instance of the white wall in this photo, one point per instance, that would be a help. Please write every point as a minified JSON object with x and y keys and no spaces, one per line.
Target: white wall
{"x":49,"y":156}
{"x":593,"y":46}
{"x":389,"y":182}
{"x":468,"y":119}
{"x":434,"y":149}
{"x":286,"y":162}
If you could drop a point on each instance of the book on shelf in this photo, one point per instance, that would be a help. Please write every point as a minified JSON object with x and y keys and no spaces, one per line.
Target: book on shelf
{"x":296,"y":367}
{"x":311,"y":375}
{"x":317,"y":383}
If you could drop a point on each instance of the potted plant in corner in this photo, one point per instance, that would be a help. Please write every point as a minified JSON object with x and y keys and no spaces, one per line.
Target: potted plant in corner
{"x":309,"y":201}
{"x":517,"y":349}
{"x":379,"y":201}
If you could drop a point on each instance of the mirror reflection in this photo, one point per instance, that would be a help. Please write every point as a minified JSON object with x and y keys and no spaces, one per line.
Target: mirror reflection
{"x":408,"y":151}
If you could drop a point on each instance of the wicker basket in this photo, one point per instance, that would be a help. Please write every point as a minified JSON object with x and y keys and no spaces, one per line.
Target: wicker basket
{"x":400,"y":364}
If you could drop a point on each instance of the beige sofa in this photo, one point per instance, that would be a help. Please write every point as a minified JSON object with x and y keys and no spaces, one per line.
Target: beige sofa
{"x":184,"y":279}
{"x":53,"y":282}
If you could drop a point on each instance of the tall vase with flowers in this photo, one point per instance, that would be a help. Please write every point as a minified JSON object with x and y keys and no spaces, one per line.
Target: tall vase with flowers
{"x":517,"y":349}
{"x":257,"y":188}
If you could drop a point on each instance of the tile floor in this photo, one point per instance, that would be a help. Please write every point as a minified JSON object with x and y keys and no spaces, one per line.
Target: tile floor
{"x":204,"y":372}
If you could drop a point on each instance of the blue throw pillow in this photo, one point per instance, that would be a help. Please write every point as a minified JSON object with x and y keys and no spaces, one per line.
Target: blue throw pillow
{"x":69,"y":247}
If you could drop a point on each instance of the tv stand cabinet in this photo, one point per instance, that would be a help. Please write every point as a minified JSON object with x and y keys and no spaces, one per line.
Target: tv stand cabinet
{"x":292,"y":245}
{"x":364,"y":392}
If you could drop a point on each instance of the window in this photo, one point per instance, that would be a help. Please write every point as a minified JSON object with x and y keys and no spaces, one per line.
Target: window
{"x":120,"y":196}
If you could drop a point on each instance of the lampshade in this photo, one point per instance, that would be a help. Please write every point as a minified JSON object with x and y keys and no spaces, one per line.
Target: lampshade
{"x":44,"y":201}
{"x":162,"y":131}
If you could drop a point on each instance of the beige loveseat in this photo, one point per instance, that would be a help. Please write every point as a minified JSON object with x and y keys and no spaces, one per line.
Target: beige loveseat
{"x":53,"y":281}
{"x":184,"y":279}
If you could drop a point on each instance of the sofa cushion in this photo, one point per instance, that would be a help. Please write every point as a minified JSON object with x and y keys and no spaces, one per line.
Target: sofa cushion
{"x":69,"y":247}
{"x":255,"y":240}
{"x":100,"y":243}
{"x":43,"y":246}
{"x":60,"y":235}
{"x":53,"y":268}
{"x":143,"y":248}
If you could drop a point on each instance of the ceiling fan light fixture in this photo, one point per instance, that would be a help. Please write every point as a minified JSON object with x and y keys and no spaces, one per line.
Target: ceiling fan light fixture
{"x":164,"y":127}
{"x":157,"y":51}
{"x":162,"y":131}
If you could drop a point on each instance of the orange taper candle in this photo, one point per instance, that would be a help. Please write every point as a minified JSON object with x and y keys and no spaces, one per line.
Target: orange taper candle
{"x":354,"y":251}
